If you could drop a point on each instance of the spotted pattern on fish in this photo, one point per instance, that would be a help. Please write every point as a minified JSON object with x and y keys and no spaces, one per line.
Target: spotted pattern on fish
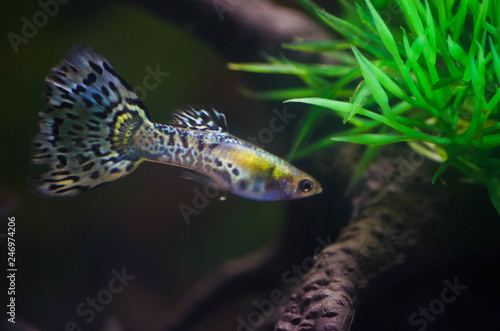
{"x":95,"y":130}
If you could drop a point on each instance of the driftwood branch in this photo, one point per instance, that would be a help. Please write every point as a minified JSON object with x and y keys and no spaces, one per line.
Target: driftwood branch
{"x":232,"y":277}
{"x":238,"y":29}
{"x":386,"y":231}
{"x":398,"y":224}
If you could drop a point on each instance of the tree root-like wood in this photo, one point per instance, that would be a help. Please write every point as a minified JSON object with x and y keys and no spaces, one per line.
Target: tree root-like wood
{"x":232,"y":277}
{"x":395,"y":227}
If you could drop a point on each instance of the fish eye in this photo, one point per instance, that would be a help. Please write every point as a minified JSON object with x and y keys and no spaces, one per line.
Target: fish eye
{"x":306,"y":185}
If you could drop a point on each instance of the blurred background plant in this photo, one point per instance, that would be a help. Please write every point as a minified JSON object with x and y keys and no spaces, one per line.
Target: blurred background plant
{"x":422,"y":72}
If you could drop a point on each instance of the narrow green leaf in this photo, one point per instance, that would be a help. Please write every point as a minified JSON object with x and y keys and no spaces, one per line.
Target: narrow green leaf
{"x":362,"y":166}
{"x":373,"y":84}
{"x":494,"y":192}
{"x":457,"y":52}
{"x":413,"y":53}
{"x":440,"y":171}
{"x":355,"y":34}
{"x":420,"y":8}
{"x":445,"y":53}
{"x":367,"y":20}
{"x":412,"y":123}
{"x":442,"y":16}
{"x":348,"y":9}
{"x":496,"y":59}
{"x":386,"y":81}
{"x":304,"y":132}
{"x":326,"y":142}
{"x":342,"y":26}
{"x":477,"y":78}
{"x":292,"y":68}
{"x":425,"y":86}
{"x":267,"y":68}
{"x":316,"y":82}
{"x":495,"y":13}
{"x":373,"y":139}
{"x":343,"y":57}
{"x":313,"y":117}
{"x":474,"y":10}
{"x":383,"y":31}
{"x":317,"y":46}
{"x":430,"y":48}
{"x":412,"y":16}
{"x":358,"y":100}
{"x":491,"y":129}
{"x":339,"y":106}
{"x":446,"y":81}
{"x":460,"y":19}
{"x":431,"y":152}
{"x":457,"y":105}
{"x":327,"y":70}
{"x":310,"y":149}
{"x":479,"y":27}
{"x":489,"y":141}
{"x":490,"y":28}
{"x":279,"y":94}
{"x":310,"y":6}
{"x":494,"y":101}
{"x":389,"y":84}
{"x":343,"y":107}
{"x":391,"y":46}
{"x":430,"y":55}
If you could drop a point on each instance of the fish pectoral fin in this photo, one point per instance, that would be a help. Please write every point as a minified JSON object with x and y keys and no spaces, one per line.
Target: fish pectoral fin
{"x":200,"y":178}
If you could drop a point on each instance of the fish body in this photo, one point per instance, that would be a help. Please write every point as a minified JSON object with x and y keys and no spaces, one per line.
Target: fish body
{"x":95,"y":130}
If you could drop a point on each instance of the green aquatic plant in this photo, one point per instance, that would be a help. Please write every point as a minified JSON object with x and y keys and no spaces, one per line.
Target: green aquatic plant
{"x":429,"y":79}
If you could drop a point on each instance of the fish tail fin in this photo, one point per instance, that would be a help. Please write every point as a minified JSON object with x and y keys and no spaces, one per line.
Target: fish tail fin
{"x":87,"y":128}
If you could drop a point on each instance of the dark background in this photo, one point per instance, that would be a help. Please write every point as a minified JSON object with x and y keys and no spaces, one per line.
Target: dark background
{"x":66,"y":248}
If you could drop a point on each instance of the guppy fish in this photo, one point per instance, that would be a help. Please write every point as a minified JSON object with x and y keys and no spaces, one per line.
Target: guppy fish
{"x":95,"y":130}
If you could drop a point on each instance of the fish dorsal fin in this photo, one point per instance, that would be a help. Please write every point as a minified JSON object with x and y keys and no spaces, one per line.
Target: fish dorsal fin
{"x":203,"y":119}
